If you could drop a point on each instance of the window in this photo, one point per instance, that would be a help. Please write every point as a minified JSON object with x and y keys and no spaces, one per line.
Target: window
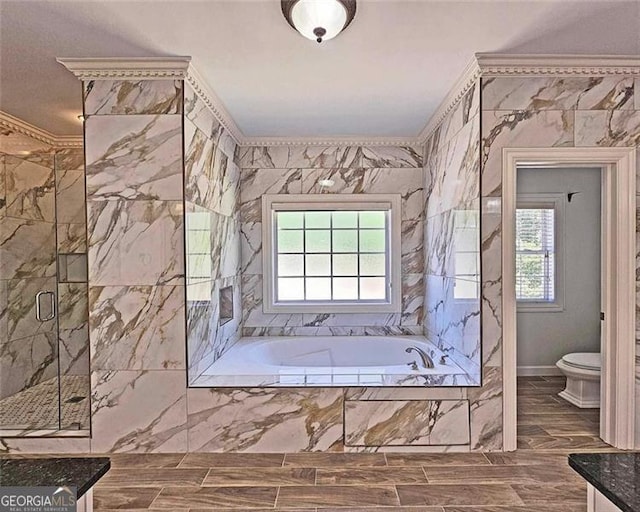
{"x":335,"y":254}
{"x":199,"y":266}
{"x":538,"y":256}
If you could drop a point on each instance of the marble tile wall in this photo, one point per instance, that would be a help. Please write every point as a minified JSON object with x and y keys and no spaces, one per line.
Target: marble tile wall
{"x":212,"y":202}
{"x":355,"y":170}
{"x":451,"y":232}
{"x":135,"y":218}
{"x":539,"y":112}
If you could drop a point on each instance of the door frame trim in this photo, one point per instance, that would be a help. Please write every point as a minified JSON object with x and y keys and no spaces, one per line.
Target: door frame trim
{"x":617,"y":419}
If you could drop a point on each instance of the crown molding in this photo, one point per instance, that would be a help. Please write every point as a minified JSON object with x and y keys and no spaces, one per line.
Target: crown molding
{"x":214,"y":103}
{"x":145,"y":68}
{"x":330,"y":141}
{"x":482,"y":65}
{"x":56,"y":142}
{"x":495,"y":64}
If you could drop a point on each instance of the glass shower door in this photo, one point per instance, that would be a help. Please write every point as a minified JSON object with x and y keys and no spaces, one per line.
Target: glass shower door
{"x":29,"y":384}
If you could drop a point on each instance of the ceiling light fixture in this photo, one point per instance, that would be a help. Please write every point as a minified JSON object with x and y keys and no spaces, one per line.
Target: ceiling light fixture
{"x":326,"y":183}
{"x":319,"y":20}
{"x":81,"y":118}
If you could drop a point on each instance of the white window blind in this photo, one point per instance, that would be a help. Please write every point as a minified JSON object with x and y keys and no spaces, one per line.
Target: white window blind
{"x":535,"y":254}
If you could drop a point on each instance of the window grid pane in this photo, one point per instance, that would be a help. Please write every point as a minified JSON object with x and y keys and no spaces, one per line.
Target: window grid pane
{"x":535,"y":254}
{"x":314,"y":246}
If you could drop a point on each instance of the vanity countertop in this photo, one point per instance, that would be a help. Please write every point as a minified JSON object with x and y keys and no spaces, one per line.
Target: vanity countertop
{"x":82,"y":473}
{"x":615,"y":475}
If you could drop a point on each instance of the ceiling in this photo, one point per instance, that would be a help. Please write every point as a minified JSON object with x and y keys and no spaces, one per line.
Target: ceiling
{"x":384,"y":76}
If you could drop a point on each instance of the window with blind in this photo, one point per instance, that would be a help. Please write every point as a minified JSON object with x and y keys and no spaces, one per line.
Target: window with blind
{"x":335,"y":253}
{"x":537,"y":251}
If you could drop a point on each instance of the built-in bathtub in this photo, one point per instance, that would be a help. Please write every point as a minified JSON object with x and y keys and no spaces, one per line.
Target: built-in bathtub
{"x":340,"y":361}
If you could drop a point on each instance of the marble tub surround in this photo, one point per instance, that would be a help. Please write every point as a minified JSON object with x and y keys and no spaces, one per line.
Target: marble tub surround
{"x":213,"y":236}
{"x":452,"y":234}
{"x":353,"y":173}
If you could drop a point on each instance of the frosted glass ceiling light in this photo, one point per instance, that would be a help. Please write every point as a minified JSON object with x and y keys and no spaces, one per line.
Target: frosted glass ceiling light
{"x":319,"y":20}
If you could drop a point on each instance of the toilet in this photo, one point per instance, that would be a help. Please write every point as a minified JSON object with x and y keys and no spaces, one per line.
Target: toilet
{"x":582,"y":370}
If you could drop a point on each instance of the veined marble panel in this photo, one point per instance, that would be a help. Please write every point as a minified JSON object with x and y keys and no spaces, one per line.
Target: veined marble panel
{"x":4,"y":312}
{"x":137,"y":327}
{"x":254,"y":183}
{"x":252,"y":313}
{"x":520,"y":129}
{"x":412,"y":300}
{"x":406,"y":182}
{"x":230,"y":192}
{"x":406,"y":422}
{"x":71,"y":238}
{"x":608,"y":128}
{"x":21,"y":307}
{"x":453,"y":176}
{"x":251,"y":247}
{"x":27,"y":248}
{"x":424,"y":394}
{"x":350,"y":319}
{"x":27,"y":361}
{"x":41,"y":445}
{"x":69,"y":159}
{"x":206,"y":234}
{"x":465,"y":111}
{"x":72,"y":268}
{"x":557,"y":93}
{"x":134,"y":157}
{"x":453,"y":319}
{"x":3,"y":189}
{"x":73,"y":348}
{"x":227,"y":145}
{"x":390,"y":156}
{"x":385,"y":330}
{"x":29,"y":190}
{"x":132,"y":97}
{"x":196,"y":111}
{"x":72,"y":305}
{"x":201,"y":186}
{"x":138,"y":411}
{"x":203,"y":313}
{"x":229,"y":242}
{"x":135,"y":242}
{"x":283,"y":157}
{"x":491,"y":255}
{"x":265,"y":420}
{"x":452,"y":239}
{"x":70,"y":198}
{"x":411,"y":241}
{"x":486,"y":411}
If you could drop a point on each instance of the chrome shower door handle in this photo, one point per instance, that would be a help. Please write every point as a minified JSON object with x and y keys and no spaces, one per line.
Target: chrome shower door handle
{"x":52,"y":299}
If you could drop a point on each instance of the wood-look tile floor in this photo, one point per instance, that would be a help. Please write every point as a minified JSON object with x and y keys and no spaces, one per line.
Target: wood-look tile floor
{"x":536,"y":478}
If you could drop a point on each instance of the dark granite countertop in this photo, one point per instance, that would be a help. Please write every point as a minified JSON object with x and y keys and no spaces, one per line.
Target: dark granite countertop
{"x":82,"y":473}
{"x":615,"y":475}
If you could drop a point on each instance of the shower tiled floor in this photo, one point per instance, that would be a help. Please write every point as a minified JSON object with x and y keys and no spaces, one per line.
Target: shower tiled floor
{"x":536,"y":478}
{"x":37,"y":406}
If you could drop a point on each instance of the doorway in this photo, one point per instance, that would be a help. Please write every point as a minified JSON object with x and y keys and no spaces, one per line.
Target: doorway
{"x":617,"y":418}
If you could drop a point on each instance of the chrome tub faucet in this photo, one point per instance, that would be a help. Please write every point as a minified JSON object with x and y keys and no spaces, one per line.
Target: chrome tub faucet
{"x":427,"y":362}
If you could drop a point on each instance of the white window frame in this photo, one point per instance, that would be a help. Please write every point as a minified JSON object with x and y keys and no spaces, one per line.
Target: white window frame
{"x":557,"y":203}
{"x":305,"y":202}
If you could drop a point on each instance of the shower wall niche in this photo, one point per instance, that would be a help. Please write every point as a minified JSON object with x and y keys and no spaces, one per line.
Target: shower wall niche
{"x":44,"y":347}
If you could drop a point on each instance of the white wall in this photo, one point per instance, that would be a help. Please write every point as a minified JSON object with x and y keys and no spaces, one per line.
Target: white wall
{"x":543,"y":338}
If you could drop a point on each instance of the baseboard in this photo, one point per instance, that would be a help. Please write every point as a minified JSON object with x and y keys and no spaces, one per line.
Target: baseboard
{"x":534,"y":371}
